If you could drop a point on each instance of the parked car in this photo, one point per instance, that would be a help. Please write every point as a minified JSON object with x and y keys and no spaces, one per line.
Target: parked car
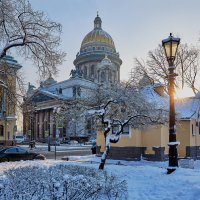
{"x":90,"y":142}
{"x":19,"y":139}
{"x":73,"y":142}
{"x":17,"y":154}
{"x":65,"y":140}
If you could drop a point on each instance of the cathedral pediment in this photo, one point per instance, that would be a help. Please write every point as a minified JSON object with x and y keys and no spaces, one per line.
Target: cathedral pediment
{"x":41,"y":98}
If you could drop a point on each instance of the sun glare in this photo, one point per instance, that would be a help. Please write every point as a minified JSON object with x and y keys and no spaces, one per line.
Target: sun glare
{"x":182,"y":93}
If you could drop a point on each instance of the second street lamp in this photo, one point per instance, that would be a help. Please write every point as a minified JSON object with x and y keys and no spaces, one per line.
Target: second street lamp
{"x":170,"y":46}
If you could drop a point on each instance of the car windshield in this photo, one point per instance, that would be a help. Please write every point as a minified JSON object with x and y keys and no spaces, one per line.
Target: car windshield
{"x":19,"y":136}
{"x":11,"y":150}
{"x":1,"y":150}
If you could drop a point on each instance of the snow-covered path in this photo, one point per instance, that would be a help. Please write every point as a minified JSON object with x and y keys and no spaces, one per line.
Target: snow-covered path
{"x":152,"y":183}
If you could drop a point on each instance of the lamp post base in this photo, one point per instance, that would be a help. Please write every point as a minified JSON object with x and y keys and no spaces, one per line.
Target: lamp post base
{"x":173,"y":157}
{"x":170,"y":170}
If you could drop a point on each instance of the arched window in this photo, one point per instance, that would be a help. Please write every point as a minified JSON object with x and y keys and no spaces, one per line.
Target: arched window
{"x":114,"y":77}
{"x":74,"y":91}
{"x":78,"y":89}
{"x":85,"y":71}
{"x":110,"y":77}
{"x":60,"y":91}
{"x":103,"y":77}
{"x":92,"y":71}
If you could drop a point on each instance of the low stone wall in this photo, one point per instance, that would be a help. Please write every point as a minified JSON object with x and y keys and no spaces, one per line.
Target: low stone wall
{"x":126,"y":153}
{"x":159,"y":154}
{"x":193,"y":152}
{"x":135,"y":153}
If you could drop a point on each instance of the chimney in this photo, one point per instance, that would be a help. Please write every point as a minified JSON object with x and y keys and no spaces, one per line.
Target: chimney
{"x":159,"y":88}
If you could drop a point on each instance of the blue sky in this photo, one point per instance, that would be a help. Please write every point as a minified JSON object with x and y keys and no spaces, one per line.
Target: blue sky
{"x":136,"y":26}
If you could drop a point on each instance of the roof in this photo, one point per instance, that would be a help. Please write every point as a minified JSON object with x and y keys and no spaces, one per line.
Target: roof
{"x":186,"y":108}
{"x":70,"y":83}
{"x":97,"y":36}
{"x":153,"y":97}
{"x":11,"y":62}
{"x":66,"y":86}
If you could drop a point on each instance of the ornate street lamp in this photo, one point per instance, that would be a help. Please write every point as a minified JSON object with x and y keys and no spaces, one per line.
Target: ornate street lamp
{"x":170,"y":45}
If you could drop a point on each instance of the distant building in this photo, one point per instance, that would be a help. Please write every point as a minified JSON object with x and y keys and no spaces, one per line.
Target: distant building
{"x":8,"y":69}
{"x":97,"y":63}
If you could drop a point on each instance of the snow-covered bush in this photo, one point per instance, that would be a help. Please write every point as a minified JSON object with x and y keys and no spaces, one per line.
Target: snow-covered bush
{"x":60,"y":182}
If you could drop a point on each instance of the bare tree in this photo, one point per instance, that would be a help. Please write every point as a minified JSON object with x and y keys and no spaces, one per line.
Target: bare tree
{"x":124,"y":106}
{"x":156,"y":67}
{"x":31,"y":34}
{"x":73,"y":115}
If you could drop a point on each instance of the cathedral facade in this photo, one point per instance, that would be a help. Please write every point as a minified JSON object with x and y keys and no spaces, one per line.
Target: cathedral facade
{"x":97,"y":63}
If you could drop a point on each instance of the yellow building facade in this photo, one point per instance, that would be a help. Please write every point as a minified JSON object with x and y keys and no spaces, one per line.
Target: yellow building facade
{"x":8,"y":100}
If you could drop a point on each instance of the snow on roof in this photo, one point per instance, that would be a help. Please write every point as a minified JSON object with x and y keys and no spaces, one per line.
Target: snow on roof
{"x":153,"y":97}
{"x":70,"y":83}
{"x":11,"y":61}
{"x":158,"y":85}
{"x":58,"y":96}
{"x":187,"y":108}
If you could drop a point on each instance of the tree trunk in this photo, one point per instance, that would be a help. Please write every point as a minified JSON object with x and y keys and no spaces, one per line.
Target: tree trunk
{"x":105,"y":154}
{"x":194,"y":89}
{"x":103,"y":159}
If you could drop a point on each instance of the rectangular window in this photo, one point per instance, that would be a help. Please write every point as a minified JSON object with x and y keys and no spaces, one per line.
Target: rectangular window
{"x":1,"y":130}
{"x":126,"y":129}
{"x":199,"y":127}
{"x":193,"y":130}
{"x":115,"y":129}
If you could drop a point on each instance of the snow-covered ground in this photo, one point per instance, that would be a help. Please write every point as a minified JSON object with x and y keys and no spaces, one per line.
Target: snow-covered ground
{"x":146,"y":180}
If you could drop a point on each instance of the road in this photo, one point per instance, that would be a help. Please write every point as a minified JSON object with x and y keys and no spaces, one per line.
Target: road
{"x":61,"y":151}
{"x":71,"y":152}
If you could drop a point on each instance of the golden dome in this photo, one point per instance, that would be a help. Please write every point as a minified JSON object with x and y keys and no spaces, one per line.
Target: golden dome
{"x":97,"y":37}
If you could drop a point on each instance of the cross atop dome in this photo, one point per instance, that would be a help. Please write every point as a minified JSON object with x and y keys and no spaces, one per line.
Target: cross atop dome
{"x":97,"y":22}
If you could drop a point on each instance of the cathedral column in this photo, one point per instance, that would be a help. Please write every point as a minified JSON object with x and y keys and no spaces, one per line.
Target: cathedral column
{"x":118,"y":70}
{"x":25,"y":129}
{"x":37,"y":125}
{"x":48,"y":121}
{"x":42,"y":128}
